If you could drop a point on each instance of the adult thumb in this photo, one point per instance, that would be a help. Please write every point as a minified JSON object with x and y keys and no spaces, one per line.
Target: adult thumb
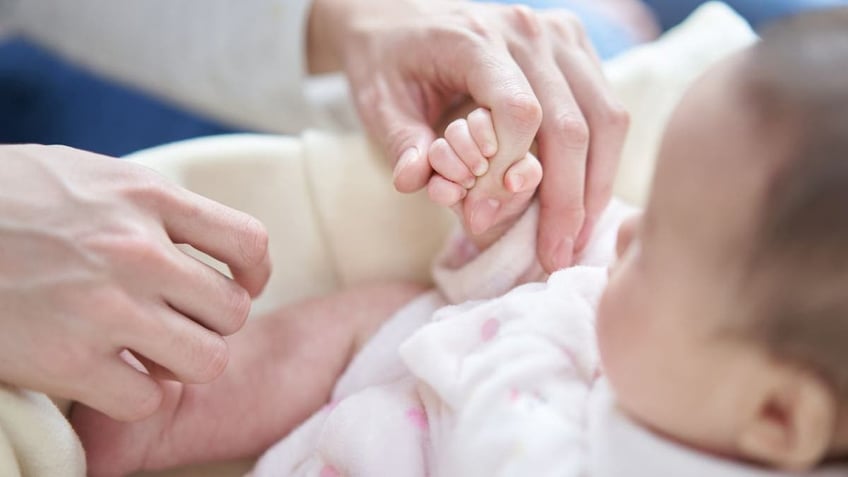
{"x":407,"y":144}
{"x":412,"y":167}
{"x":405,"y":137}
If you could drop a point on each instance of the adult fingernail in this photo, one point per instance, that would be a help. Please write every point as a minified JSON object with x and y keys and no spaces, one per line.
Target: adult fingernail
{"x":481,"y":168}
{"x":563,"y":254}
{"x":409,"y":156}
{"x":483,"y":215}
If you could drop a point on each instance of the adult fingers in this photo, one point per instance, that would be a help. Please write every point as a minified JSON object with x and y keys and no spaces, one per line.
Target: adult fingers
{"x":563,"y":145}
{"x":608,"y":121}
{"x":155,"y":370}
{"x":120,"y":391}
{"x":233,"y":237}
{"x":187,"y":350}
{"x":397,"y":121}
{"x":497,"y":82}
{"x":207,"y":297}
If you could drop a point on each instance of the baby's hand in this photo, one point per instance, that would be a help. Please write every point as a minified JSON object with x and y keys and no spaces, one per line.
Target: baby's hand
{"x":461,"y":161}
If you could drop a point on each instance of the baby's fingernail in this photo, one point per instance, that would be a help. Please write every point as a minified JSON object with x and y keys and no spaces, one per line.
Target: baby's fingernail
{"x":515,"y":182}
{"x":408,"y":156}
{"x":563,"y":253}
{"x":483,"y":215}
{"x":489,"y":149}
{"x":469,"y":183}
{"x":481,"y":168}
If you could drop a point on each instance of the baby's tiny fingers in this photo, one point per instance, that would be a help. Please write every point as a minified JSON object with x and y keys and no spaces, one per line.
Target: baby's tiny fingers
{"x":525,"y":175}
{"x":444,"y":192}
{"x":483,"y":131}
{"x":459,"y":137}
{"x":446,"y":163}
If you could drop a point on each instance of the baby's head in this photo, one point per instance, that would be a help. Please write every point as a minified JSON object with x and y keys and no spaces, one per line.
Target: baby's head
{"x":725,"y":323}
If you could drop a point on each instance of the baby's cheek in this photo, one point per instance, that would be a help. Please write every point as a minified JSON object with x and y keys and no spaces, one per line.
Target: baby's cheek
{"x":605,"y":326}
{"x":618,"y":328}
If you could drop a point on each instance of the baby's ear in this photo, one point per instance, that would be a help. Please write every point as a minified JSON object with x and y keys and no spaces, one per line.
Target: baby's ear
{"x":626,"y":233}
{"x":794,"y":422}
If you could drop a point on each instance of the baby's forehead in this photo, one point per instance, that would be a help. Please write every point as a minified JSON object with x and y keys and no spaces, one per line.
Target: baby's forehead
{"x":715,"y":161}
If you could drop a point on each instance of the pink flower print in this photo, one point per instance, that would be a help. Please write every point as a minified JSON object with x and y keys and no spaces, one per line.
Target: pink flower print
{"x":490,"y":329}
{"x":417,"y":417}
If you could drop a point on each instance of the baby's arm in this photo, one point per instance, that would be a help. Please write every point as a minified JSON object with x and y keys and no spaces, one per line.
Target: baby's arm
{"x":282,"y":369}
{"x":476,"y":264}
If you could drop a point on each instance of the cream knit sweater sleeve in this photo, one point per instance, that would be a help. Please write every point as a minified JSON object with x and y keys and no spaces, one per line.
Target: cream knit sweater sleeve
{"x":242,"y":61}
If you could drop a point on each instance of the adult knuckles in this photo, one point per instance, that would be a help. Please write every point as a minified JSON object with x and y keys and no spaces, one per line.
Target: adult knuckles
{"x":472,"y":26}
{"x":135,"y":249}
{"x":202,"y":355}
{"x":525,"y":21}
{"x":483,"y":25}
{"x":566,"y":27}
{"x":614,"y":115}
{"x":573,"y":129}
{"x":108,"y":308}
{"x":148,"y":188}
{"x":525,"y":110}
{"x":145,"y":194}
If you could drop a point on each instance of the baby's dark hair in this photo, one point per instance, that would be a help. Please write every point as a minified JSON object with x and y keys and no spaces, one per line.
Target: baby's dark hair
{"x":796,"y":80}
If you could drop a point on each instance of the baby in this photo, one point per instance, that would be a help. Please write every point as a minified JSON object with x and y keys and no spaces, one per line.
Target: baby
{"x":721,"y":334}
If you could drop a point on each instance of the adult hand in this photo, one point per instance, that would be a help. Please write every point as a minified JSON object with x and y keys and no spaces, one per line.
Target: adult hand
{"x":408,"y":61}
{"x":89,"y":270}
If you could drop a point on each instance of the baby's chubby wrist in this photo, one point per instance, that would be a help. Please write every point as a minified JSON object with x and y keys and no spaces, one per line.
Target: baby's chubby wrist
{"x":462,"y":272}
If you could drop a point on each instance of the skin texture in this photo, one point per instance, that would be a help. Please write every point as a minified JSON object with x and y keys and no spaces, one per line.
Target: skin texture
{"x":410,"y":61}
{"x":283,"y":369}
{"x":463,"y":150}
{"x":90,"y":270}
{"x":663,"y":327}
{"x":666,"y":321}
{"x":293,"y":355}
{"x":111,"y":279}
